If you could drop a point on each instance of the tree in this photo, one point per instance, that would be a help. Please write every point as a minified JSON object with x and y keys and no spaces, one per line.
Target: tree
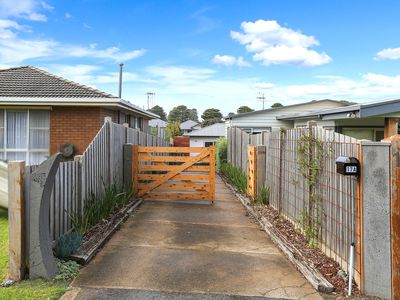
{"x":158,"y":110}
{"x":211,"y":116}
{"x":276,"y":105}
{"x":193,"y":115}
{"x":172,"y":130}
{"x":179,"y":113}
{"x":244,"y":109}
{"x":231,"y":114}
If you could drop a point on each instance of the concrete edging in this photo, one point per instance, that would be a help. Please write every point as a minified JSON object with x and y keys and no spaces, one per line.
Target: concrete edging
{"x":83,"y":259}
{"x":316,"y":279}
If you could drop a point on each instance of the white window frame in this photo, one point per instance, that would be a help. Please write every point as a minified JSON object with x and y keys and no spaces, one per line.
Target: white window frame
{"x":27,"y":150}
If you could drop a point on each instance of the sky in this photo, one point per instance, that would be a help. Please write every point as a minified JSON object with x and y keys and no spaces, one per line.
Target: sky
{"x":211,"y":54}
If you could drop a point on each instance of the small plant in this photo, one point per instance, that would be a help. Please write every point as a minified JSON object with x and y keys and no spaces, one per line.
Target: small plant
{"x":67,"y":244}
{"x":262,"y":196}
{"x":235,"y":176}
{"x":67,"y":270}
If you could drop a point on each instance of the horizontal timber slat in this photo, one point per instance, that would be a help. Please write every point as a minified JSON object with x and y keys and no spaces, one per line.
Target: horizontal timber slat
{"x":170,"y":149}
{"x":181,"y":176}
{"x":182,"y":187}
{"x":176,"y":196}
{"x":164,"y":167}
{"x":145,"y":157}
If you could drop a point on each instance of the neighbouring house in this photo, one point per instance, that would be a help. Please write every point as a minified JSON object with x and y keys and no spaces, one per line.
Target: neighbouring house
{"x":206,"y":136}
{"x":157,"y":127}
{"x":371,"y":121}
{"x":189,"y":126}
{"x":266,"y":120}
{"x":40,"y":112}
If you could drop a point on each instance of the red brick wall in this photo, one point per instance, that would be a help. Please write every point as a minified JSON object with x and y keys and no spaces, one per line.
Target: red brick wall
{"x":79,"y":125}
{"x":74,"y":125}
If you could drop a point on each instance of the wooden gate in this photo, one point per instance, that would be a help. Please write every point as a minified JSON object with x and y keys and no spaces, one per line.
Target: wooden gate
{"x":174,"y":172}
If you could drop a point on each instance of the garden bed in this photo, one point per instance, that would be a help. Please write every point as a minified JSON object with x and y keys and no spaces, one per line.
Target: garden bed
{"x":321,"y":271}
{"x":97,"y":236}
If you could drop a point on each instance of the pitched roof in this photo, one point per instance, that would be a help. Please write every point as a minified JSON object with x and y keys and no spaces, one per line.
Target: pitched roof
{"x":284,"y":107}
{"x":28,"y":81}
{"x":27,"y":86}
{"x":362,"y":110}
{"x":217,"y":129}
{"x":189,"y":124}
{"x":157,"y":123}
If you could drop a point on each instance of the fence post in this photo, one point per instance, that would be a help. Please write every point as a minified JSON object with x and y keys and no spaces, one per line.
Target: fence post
{"x":16,"y":220}
{"x":261,"y":161}
{"x":375,"y":219}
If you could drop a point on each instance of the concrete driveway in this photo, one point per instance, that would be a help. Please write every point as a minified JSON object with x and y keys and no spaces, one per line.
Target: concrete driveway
{"x":191,"y":250}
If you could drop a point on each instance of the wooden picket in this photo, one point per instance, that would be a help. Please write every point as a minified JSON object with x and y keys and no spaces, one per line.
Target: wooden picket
{"x":174,"y":172}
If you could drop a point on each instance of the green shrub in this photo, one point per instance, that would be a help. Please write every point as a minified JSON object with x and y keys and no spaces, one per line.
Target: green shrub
{"x":98,"y":208}
{"x":221,"y":148}
{"x":262,"y":196}
{"x":67,"y":270}
{"x":67,"y":244}
{"x":235,"y":176}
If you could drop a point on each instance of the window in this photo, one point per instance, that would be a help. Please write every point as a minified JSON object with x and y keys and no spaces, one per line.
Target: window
{"x":138,"y":124}
{"x":208,"y":144}
{"x":24,"y":135}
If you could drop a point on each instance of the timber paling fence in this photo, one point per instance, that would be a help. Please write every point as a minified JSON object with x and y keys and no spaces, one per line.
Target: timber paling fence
{"x":99,"y":166}
{"x":334,"y":198}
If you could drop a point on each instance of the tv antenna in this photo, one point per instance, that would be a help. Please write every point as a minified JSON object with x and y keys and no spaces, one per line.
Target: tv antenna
{"x":262,"y":98}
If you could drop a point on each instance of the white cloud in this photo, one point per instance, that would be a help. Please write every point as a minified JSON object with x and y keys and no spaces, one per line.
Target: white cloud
{"x":388,"y":53}
{"x":68,"y":16}
{"x":16,"y":50}
{"x":27,"y":9}
{"x":203,"y":88}
{"x":273,"y":44}
{"x":263,"y":85}
{"x":91,"y":75}
{"x":229,"y":60}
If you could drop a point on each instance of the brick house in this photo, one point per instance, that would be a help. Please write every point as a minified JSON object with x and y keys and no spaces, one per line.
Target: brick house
{"x":40,"y":112}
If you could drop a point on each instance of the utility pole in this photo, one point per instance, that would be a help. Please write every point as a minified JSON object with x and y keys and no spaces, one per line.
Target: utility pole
{"x":262,"y":98}
{"x":150,"y":98}
{"x":121,"y":66}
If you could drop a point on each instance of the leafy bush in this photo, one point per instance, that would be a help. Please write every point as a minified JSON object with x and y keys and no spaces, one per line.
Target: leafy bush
{"x":221,"y":148}
{"x":67,"y":270}
{"x":235,"y":176}
{"x":263,"y":196}
{"x":98,"y":208}
{"x":67,"y":244}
